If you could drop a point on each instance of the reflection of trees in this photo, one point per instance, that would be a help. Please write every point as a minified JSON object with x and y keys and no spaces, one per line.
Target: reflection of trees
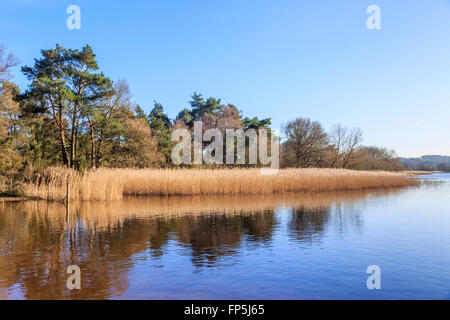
{"x":344,"y":217}
{"x":38,"y":241}
{"x":260,"y":228}
{"x":41,"y":242}
{"x":41,"y":247}
{"x":212,"y":236}
{"x":308,"y":223}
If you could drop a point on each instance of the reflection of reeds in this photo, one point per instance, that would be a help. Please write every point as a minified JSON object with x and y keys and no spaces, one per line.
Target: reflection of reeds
{"x":107,"y":214}
{"x":114,"y":184}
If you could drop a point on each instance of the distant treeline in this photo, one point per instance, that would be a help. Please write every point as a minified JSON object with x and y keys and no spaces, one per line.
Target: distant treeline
{"x":309,"y":145}
{"x":427,"y":163}
{"x":75,"y":116}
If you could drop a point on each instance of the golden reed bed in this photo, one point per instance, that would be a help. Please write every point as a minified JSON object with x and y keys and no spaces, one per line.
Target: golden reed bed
{"x":114,"y":184}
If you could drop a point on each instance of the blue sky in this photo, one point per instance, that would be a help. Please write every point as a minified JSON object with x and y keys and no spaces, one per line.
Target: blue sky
{"x":279,"y":59}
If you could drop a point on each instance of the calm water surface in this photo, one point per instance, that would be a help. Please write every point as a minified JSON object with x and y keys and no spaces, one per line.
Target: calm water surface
{"x":292,"y":246}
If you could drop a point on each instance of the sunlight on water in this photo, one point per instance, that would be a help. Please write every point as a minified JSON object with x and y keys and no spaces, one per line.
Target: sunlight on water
{"x":288,"y":246}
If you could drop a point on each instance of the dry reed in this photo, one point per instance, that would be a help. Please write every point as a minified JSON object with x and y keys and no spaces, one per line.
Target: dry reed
{"x":114,"y":184}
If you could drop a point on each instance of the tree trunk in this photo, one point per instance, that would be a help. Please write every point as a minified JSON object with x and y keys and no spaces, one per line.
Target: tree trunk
{"x":63,"y":147}
{"x":92,"y":144}
{"x":58,"y":119}
{"x":73,"y":140}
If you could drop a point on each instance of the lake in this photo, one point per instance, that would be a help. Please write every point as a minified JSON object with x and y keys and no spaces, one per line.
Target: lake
{"x":285,"y":246}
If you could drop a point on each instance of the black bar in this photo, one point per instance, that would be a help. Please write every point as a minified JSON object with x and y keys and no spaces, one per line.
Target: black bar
{"x":227,"y":309}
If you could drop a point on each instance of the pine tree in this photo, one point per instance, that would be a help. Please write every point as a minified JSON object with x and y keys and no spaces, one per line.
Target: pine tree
{"x":160,"y":125}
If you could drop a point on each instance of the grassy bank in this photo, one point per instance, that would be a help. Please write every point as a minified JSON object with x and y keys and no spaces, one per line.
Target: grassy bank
{"x":114,"y":184}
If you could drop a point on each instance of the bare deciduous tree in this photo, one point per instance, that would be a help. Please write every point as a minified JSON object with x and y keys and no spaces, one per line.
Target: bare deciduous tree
{"x":346,"y":143}
{"x":6,"y":63}
{"x":305,"y":142}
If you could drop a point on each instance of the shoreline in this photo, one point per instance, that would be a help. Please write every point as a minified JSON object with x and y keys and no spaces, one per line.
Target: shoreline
{"x":16,"y":199}
{"x":128,"y":197}
{"x":421,"y":173}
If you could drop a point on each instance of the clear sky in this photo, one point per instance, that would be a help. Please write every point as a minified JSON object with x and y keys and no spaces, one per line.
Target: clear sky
{"x":279,"y":59}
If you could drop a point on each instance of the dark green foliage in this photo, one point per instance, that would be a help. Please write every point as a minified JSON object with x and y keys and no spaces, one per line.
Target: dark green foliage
{"x":66,"y":88}
{"x":255,"y":123}
{"x":160,"y":125}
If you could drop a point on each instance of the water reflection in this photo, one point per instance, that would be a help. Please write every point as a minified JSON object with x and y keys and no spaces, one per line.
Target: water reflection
{"x":39,"y":240}
{"x":306,"y":224}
